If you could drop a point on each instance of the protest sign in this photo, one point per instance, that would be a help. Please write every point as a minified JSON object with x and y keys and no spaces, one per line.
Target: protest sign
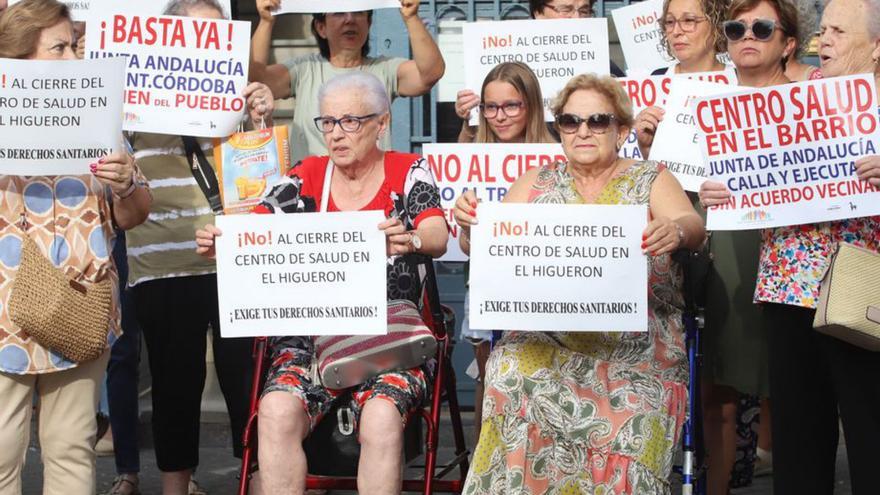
{"x":57,"y":117}
{"x":489,"y":169}
{"x":556,"y":50}
{"x":83,"y":9}
{"x":450,"y":43}
{"x":313,"y":7}
{"x":302,"y":274}
{"x":544,"y":267}
{"x":649,"y":91}
{"x":787,"y":153}
{"x":185,"y":75}
{"x":639,"y":30}
{"x":675,"y":140}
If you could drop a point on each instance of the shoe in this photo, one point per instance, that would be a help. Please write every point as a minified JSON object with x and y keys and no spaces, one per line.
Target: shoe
{"x":195,"y":489}
{"x":104,"y":447}
{"x":763,"y":463}
{"x":125,"y":484}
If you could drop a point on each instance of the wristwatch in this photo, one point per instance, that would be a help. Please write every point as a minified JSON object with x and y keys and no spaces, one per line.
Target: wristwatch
{"x":415,"y":241}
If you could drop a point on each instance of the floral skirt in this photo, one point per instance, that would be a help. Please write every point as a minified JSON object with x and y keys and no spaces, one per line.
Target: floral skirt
{"x":291,"y":372}
{"x":563,"y":421}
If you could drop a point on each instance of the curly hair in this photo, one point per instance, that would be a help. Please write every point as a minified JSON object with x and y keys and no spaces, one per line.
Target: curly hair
{"x":606,"y":86}
{"x":715,"y":12}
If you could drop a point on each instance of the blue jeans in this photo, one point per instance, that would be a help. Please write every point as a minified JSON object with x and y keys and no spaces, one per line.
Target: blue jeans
{"x":122,"y":374}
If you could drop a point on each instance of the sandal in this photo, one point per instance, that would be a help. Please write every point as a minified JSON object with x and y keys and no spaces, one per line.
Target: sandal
{"x":125,"y":484}
{"x":195,"y":489}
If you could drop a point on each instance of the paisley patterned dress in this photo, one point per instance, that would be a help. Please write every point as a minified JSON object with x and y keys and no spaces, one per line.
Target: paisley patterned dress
{"x":587,"y":413}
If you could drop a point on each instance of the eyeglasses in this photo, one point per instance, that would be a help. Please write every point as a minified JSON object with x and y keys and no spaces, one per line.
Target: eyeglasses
{"x":568,"y":10}
{"x":598,"y":123}
{"x":762,"y":29}
{"x":348,"y":123}
{"x":687,"y":24}
{"x":510,"y":109}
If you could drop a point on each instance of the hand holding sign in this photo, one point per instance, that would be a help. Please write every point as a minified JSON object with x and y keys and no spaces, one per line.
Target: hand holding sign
{"x":868,"y":169}
{"x":115,"y":171}
{"x":646,"y":125}
{"x":267,"y":9}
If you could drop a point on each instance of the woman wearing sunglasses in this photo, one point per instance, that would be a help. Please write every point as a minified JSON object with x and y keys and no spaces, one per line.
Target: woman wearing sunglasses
{"x":572,"y":431}
{"x":760,"y":37}
{"x":818,"y":382}
{"x":512,"y":111}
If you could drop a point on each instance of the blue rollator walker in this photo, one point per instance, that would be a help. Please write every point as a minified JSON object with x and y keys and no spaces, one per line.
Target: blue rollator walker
{"x":693,"y":468}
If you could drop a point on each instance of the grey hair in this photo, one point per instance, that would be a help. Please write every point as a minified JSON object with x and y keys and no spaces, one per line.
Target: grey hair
{"x":181,"y":7}
{"x":873,"y":18}
{"x":371,"y":90}
{"x":808,"y":23}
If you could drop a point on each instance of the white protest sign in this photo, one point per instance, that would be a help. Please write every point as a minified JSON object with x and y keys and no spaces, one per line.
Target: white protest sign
{"x":142,"y":7}
{"x":556,"y":50}
{"x":185,"y":75}
{"x":318,"y":7}
{"x":450,"y":43}
{"x":83,"y":9}
{"x":639,"y":30}
{"x":543,"y":267}
{"x":675,"y":141}
{"x":302,"y":274}
{"x":649,"y":91}
{"x":488,"y":169}
{"x":57,"y":117}
{"x":786,"y":152}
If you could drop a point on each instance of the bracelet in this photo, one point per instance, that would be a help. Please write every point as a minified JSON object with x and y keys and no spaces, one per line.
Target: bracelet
{"x":128,"y":192}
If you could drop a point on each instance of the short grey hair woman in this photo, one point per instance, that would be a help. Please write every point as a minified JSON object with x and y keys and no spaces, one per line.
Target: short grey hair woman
{"x":354,"y":114}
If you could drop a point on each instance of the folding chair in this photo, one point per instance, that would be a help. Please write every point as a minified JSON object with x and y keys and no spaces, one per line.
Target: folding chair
{"x":442,"y":321}
{"x":693,"y":468}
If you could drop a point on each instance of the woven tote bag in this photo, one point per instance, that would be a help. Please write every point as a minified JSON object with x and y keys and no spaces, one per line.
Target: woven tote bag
{"x":59,"y":313}
{"x":346,"y":361}
{"x":849,"y":298}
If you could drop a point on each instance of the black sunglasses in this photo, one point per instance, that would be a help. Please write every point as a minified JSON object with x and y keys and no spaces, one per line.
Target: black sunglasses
{"x":762,"y":29}
{"x":598,"y":123}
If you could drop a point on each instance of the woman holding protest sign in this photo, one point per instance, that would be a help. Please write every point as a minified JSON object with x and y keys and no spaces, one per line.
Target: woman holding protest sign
{"x":531,"y":442}
{"x":735,"y":347}
{"x":357,"y":176}
{"x":511,"y":111}
{"x":68,"y":221}
{"x":691,"y":32}
{"x":835,"y":378}
{"x":343,"y":41}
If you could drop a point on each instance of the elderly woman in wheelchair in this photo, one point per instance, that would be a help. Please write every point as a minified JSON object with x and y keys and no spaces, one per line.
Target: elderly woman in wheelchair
{"x":357,"y":175}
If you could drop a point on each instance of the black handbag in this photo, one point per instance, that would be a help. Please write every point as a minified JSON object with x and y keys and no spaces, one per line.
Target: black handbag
{"x":332,"y":448}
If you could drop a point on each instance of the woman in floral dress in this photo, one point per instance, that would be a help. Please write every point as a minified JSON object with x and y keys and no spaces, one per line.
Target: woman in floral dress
{"x":592,"y":412}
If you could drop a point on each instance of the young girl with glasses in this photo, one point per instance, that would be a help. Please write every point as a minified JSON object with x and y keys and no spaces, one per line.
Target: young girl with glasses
{"x":511,"y":110}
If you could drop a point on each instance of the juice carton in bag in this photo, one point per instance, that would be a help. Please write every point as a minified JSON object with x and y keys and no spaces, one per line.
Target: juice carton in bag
{"x":250,"y":163}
